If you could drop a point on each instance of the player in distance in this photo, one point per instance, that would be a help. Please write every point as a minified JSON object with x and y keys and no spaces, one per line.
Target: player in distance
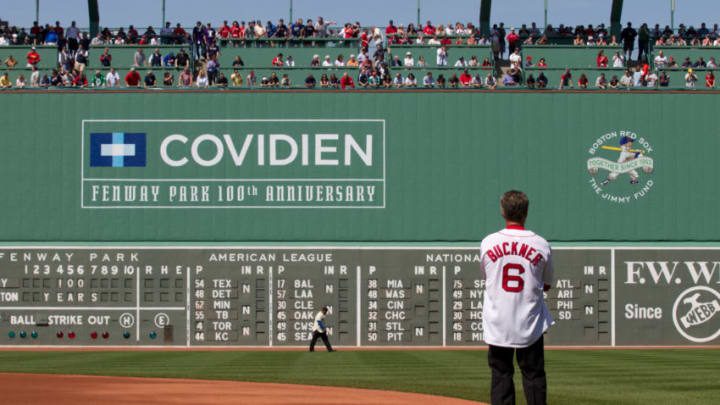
{"x":517,"y":266}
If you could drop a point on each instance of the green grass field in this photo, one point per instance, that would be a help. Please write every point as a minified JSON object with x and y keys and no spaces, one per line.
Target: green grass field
{"x":574,"y":377}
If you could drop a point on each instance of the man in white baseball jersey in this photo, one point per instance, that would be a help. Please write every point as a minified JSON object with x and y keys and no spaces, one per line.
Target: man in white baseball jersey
{"x":517,"y":267}
{"x":320,"y":331}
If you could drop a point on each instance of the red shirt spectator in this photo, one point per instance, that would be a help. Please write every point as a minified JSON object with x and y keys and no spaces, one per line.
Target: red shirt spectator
{"x":132,"y":79}
{"x":486,"y":63}
{"x":602,"y":60}
{"x":347,"y":81}
{"x":390,"y":29}
{"x":278,"y":61}
{"x":710,"y":80}
{"x":33,"y":57}
{"x":542,"y":63}
{"x":224,"y":31}
{"x":179,"y":31}
{"x":365,"y":39}
{"x":429,"y":29}
{"x":465,"y":79}
{"x":446,"y":41}
{"x":80,"y":80}
{"x":236,"y":31}
{"x":512,"y":38}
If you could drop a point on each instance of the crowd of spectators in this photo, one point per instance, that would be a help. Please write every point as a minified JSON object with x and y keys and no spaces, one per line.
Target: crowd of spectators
{"x":374,"y":67}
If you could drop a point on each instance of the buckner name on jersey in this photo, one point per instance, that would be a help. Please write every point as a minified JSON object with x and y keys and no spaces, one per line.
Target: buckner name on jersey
{"x":511,"y":249}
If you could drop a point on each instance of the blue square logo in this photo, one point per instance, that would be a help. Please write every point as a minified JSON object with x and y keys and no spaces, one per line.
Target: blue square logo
{"x":118,"y":149}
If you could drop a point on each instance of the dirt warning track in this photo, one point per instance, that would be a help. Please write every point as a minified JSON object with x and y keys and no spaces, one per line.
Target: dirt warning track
{"x":30,"y":389}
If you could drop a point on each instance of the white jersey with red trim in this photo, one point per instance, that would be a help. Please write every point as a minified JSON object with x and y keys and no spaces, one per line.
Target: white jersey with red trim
{"x":516,"y":265}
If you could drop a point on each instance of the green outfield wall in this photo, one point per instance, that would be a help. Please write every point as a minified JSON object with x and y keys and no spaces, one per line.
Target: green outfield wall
{"x":354,"y":167}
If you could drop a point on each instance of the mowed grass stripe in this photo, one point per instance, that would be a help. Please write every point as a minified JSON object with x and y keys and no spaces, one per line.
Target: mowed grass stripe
{"x":575,"y":377}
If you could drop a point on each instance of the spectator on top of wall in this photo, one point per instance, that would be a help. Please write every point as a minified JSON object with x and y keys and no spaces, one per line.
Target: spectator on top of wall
{"x":169,"y":59}
{"x":566,"y":80}
{"x":528,"y":62}
{"x":339,"y":61}
{"x":490,"y":81}
{"x":601,"y":60}
{"x":34,"y":77}
{"x":578,"y":40}
{"x":97,"y":81}
{"x":81,"y":58}
{"x":278,"y":60}
{"x":410,"y":81}
{"x":687,"y":63}
{"x":155,"y":58}
{"x":222,"y":81}
{"x":613,"y":41}
{"x":508,"y":79}
{"x":542,"y":63}
{"x":212,"y":67}
{"x":238,"y":61}
{"x":408,"y":61}
{"x":461,"y":62}
{"x":710,"y":80}
{"x":309,"y":29}
{"x":33,"y":58}
{"x":310,"y":81}
{"x":712,"y":63}
{"x":614,"y":83}
{"x":591,"y":41}
{"x":112,"y":79}
{"x":690,"y":79}
{"x":618,"y":60}
{"x":183,"y":59}
{"x":132,"y":79}
{"x":442,"y":56}
{"x":20,"y":82}
{"x":700,"y":63}
{"x":601,"y":82}
{"x":627,"y":80}
{"x":515,"y":58}
{"x":139,"y":58}
{"x":391,"y":29}
{"x":106,"y":58}
{"x":643,"y":42}
{"x":512,"y":41}
{"x":347,"y":81}
{"x":186,"y":78}
{"x":236,"y":78}
{"x":651,"y":79}
{"x":10,"y":61}
{"x":72,"y":34}
{"x":327,"y":62}
{"x":660,"y":60}
{"x":628,"y":35}
{"x":465,"y":79}
{"x":202,"y":80}
{"x":149,"y":80}
{"x":583,"y":81}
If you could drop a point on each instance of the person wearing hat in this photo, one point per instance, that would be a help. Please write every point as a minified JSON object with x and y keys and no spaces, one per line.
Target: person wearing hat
{"x":352,"y":62}
{"x":33,"y":58}
{"x":690,"y":79}
{"x":528,"y":61}
{"x":409,"y":61}
{"x":327,"y":62}
{"x":319,"y":330}
{"x":315,"y":60}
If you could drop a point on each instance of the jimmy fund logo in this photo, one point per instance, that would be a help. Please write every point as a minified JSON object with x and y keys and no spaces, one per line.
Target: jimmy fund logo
{"x":620,"y":157}
{"x":695,"y":314}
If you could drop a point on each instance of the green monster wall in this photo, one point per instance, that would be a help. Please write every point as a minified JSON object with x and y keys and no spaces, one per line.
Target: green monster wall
{"x":437,"y":164}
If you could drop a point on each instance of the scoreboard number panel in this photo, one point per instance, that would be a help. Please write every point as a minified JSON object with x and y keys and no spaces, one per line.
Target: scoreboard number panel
{"x":392,"y":296}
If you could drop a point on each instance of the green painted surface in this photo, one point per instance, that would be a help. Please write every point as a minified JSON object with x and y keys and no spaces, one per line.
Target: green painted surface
{"x":448,"y":158}
{"x":569,"y":56}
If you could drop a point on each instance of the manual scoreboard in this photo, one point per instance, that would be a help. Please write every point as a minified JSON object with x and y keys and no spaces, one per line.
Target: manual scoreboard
{"x":376,"y":296}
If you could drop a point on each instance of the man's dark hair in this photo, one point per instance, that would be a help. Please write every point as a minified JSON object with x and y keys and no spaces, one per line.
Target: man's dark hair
{"x":514,"y":205}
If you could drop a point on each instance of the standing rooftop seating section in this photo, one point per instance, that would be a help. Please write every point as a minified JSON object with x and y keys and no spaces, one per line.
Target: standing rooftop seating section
{"x":123,"y":55}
